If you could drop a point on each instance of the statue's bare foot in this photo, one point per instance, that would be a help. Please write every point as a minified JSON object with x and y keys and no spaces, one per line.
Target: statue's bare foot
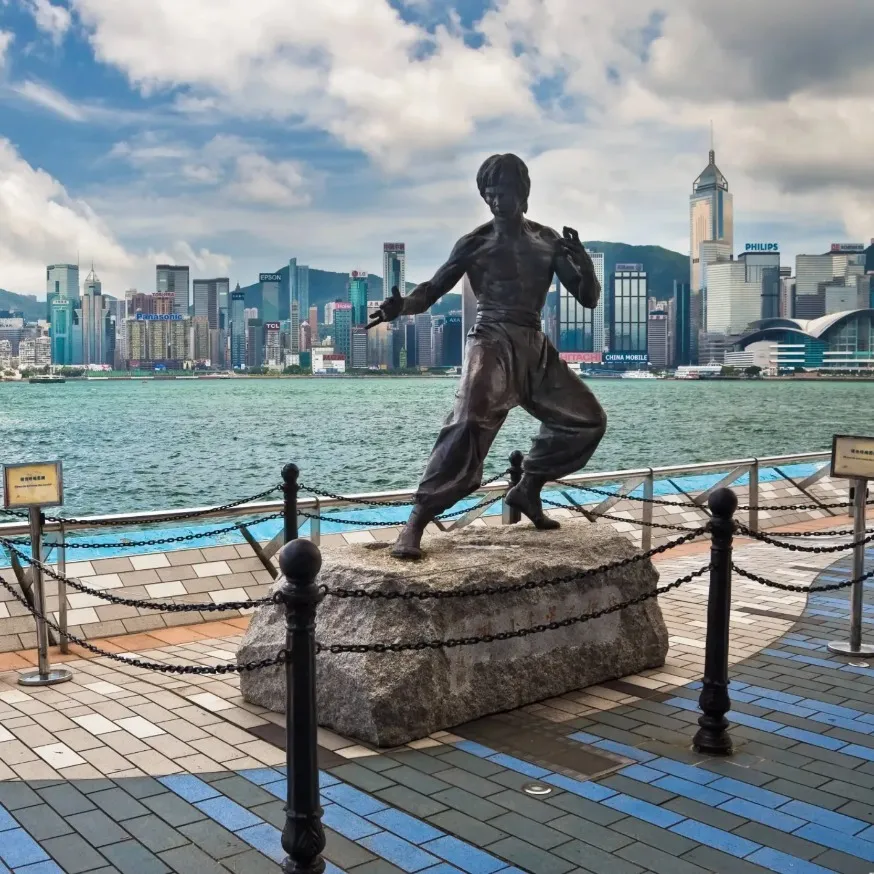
{"x":408,"y":545}
{"x":525,"y":497}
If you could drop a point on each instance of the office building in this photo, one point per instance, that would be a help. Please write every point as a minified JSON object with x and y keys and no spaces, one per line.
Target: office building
{"x":357,"y":295}
{"x":306,"y":337}
{"x":762,"y":265}
{"x":62,"y":281}
{"x":711,"y":220}
{"x":411,"y":355}
{"x":627,"y":307}
{"x":208,"y":297}
{"x":423,"y":340}
{"x":254,"y":343}
{"x":787,"y":297}
{"x":273,"y":345}
{"x":581,"y":329}
{"x":358,"y":359}
{"x":343,"y":330}
{"x":64,"y":320}
{"x":437,"y":341}
{"x":270,"y":282}
{"x":468,"y":312}
{"x":682,"y":324}
{"x":5,"y":355}
{"x":380,"y":346}
{"x":452,"y":340}
{"x":733,"y":302}
{"x":174,"y":279}
{"x":238,"y":328}
{"x":96,"y":325}
{"x":329,"y":311}
{"x":327,"y":362}
{"x":199,"y":339}
{"x":394,"y":259}
{"x":299,"y":299}
{"x":313,"y":319}
{"x":658,"y":340}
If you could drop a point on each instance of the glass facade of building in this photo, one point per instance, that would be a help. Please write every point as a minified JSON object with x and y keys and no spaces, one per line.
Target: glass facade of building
{"x":629,"y":312}
{"x":238,"y":329}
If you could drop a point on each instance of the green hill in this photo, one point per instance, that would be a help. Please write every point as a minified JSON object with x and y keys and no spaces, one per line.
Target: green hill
{"x":32,"y":308}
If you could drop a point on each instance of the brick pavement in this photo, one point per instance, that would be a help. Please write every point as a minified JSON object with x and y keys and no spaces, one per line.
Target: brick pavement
{"x":127,"y":771}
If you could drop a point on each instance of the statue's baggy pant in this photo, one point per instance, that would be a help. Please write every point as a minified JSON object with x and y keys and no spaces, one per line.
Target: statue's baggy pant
{"x":510,"y":366}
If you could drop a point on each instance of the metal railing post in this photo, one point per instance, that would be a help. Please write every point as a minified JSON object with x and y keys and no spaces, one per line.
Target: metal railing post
{"x":509,"y":515}
{"x":712,"y":736}
{"x":45,"y":674}
{"x":855,"y":647}
{"x":646,"y":511}
{"x":753,"y":517}
{"x":64,"y":642}
{"x":303,"y":837}
{"x":290,"y":473}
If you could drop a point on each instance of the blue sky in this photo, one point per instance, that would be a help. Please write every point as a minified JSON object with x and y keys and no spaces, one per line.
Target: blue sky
{"x":234,"y":135}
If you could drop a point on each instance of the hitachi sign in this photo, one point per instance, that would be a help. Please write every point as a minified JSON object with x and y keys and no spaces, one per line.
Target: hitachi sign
{"x":761,"y":247}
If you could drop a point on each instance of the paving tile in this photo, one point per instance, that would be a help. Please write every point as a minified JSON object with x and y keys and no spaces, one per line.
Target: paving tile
{"x":154,"y":834}
{"x":74,"y":854}
{"x":714,"y":860}
{"x":413,"y":779}
{"x":353,"y":799}
{"x":414,"y":802}
{"x":131,"y":857}
{"x":265,"y":838}
{"x":242,"y":791}
{"x":251,"y":862}
{"x":189,"y":787}
{"x":714,"y":837}
{"x":407,"y":856}
{"x":346,"y":823}
{"x":97,"y":828}
{"x":405,"y":826}
{"x":530,"y":858}
{"x":214,"y":839}
{"x":18,"y":848}
{"x":655,"y":860}
{"x":16,"y":795}
{"x":42,"y":822}
{"x":589,"y":832}
{"x":471,"y":805}
{"x":173,"y":810}
{"x":774,"y":860}
{"x":362,"y":777}
{"x":532,"y":832}
{"x":465,"y":827}
{"x":227,"y":813}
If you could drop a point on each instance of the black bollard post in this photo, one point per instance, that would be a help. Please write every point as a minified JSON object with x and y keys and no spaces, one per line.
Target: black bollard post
{"x":713,"y":737}
{"x":511,"y":515}
{"x":303,"y":837}
{"x":290,"y":474}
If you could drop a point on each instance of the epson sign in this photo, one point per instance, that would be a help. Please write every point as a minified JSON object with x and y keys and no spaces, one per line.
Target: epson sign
{"x":761,"y":247}
{"x":269,"y":277}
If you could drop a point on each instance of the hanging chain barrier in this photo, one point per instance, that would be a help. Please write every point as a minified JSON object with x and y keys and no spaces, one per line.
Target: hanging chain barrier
{"x":177,"y":517}
{"x":786,"y":587}
{"x":584,"y":512}
{"x":452,"y":642}
{"x":516,"y":587}
{"x":797,"y":547}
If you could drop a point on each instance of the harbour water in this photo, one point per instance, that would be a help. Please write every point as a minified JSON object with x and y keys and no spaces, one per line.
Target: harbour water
{"x":130,"y":446}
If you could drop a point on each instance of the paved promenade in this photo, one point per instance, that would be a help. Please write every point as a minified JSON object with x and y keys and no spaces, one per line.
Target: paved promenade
{"x":138,"y":772}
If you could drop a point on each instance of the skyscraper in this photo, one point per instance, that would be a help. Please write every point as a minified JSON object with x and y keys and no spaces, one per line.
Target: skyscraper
{"x":711,"y":220}
{"x":270,"y":283}
{"x":682,"y":325}
{"x":238,"y":328}
{"x":423,"y":339}
{"x":581,"y":329}
{"x":174,"y":279}
{"x":313,"y":319}
{"x":468,"y":315}
{"x":628,"y":301}
{"x":299,"y":299}
{"x":358,"y":296}
{"x":394,"y":259}
{"x":62,"y":281}
{"x":208,"y":295}
{"x":95,"y":321}
{"x":452,"y":340}
{"x":343,"y":331}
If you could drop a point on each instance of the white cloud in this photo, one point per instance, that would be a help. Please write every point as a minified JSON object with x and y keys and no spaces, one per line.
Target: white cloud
{"x":50,"y":19}
{"x":260,"y":180}
{"x":48,"y":98}
{"x":6,"y":39}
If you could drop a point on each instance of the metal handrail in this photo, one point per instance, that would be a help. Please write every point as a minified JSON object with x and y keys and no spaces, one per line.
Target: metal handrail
{"x":151,"y":517}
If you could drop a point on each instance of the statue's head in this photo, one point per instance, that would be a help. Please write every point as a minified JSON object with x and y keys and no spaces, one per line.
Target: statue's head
{"x":504,"y":184}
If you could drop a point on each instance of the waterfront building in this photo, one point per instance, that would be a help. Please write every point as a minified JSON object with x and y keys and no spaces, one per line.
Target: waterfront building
{"x":357,"y":296}
{"x":712,"y":347}
{"x":254,"y":343}
{"x":758,"y":355}
{"x":682,"y":328}
{"x":34,"y":352}
{"x":269,"y":296}
{"x":627,"y":310}
{"x":208,"y":295}
{"x":64,"y":320}
{"x":272,"y":344}
{"x":299,"y":299}
{"x":453,"y":341}
{"x":422,"y":324}
{"x":734,"y":301}
{"x":787,"y":297}
{"x":305,"y":337}
{"x":437,"y":341}
{"x":380,"y":346}
{"x":12,"y":328}
{"x":658,"y":340}
{"x":394,"y":259}
{"x":238,"y":328}
{"x":327,"y":362}
{"x":762,"y":265}
{"x":581,"y":329}
{"x":343,"y":330}
{"x":5,"y":355}
{"x":174,"y":279}
{"x":840,"y":341}
{"x":313,"y":320}
{"x":164,"y":304}
{"x":198,"y":340}
{"x":411,"y":355}
{"x":62,"y":281}
{"x":358,"y":344}
{"x":98,"y":332}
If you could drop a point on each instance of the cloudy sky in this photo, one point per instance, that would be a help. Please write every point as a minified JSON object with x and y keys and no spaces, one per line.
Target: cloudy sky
{"x":232,"y":135}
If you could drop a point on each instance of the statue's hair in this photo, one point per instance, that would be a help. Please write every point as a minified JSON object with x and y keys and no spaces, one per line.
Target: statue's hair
{"x":504,"y":168}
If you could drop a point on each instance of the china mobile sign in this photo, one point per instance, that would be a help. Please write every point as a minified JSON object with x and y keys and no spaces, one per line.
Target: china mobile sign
{"x":626,"y":358}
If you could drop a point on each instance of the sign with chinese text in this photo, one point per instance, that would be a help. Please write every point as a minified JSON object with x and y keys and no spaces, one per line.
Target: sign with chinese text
{"x":33,"y":485}
{"x":852,"y":457}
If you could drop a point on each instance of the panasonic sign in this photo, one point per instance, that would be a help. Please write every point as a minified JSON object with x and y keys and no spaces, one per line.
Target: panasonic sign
{"x":761,"y":247}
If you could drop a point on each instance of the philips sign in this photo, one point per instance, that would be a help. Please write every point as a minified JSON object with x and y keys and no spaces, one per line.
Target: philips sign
{"x":761,"y":247}
{"x":159,"y":317}
{"x":269,"y":277}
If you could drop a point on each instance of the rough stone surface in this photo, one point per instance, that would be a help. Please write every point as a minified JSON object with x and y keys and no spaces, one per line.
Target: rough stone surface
{"x":389,"y":699}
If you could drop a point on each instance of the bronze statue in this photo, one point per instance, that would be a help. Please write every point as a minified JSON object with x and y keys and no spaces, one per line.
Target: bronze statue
{"x":510,"y":262}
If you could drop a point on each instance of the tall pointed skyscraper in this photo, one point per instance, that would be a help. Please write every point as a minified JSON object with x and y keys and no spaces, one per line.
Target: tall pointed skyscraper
{"x":711,"y":237}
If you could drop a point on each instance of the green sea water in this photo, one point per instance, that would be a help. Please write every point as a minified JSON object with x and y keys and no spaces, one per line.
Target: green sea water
{"x":136,"y":445}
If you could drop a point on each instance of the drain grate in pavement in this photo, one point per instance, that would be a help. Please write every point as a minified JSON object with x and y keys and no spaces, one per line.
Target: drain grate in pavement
{"x":540,"y":742}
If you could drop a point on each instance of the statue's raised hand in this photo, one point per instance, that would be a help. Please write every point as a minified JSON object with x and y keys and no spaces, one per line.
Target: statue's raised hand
{"x":388,"y":310}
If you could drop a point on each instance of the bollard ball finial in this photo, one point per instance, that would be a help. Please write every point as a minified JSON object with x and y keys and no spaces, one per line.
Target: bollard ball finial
{"x":516,"y":458}
{"x":300,"y":560}
{"x":290,"y":473}
{"x":722,"y":503}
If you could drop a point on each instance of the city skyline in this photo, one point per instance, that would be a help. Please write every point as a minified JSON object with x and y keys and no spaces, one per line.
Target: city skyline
{"x":135,"y":146}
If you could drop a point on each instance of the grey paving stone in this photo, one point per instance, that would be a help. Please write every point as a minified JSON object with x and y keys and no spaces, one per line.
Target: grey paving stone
{"x":655,"y":860}
{"x":530,"y":858}
{"x":108,"y":870}
{"x":533,"y":832}
{"x":709,"y":815}
{"x":851,"y":791}
{"x":597,"y":861}
{"x":730,"y":769}
{"x":470,"y":805}
{"x":584,"y":808}
{"x":14,"y":795}
{"x":857,"y":776}
{"x":809,"y":794}
{"x":465,"y":827}
{"x":141,"y":787}
{"x":411,"y":801}
{"x":859,"y":809}
{"x":250,"y":863}
{"x":636,"y":789}
{"x":377,"y":866}
{"x":377,"y":763}
{"x":42,"y":822}
{"x":770,"y":837}
{"x":97,"y":828}
{"x":89,"y":786}
{"x":131,"y":857}
{"x":656,"y":837}
{"x":842,"y":863}
{"x":118,"y":804}
{"x":73,"y":854}
{"x":617,"y":720}
{"x":154,"y":834}
{"x":344,"y":853}
{"x":413,"y":779}
{"x":530,"y":807}
{"x":272,"y":812}
{"x":213,"y":839}
{"x":362,"y":777}
{"x":189,"y":860}
{"x":418,"y":760}
{"x":512,"y":780}
{"x":173,"y":810}
{"x":65,"y":799}
{"x":474,"y":764}
{"x":590,"y":832}
{"x":794,"y":773}
{"x":722,"y":863}
{"x":242,"y":791}
{"x":470,"y":782}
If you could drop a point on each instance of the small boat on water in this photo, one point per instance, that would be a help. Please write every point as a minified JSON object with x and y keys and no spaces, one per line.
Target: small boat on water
{"x":638,"y":374}
{"x":46,"y":378}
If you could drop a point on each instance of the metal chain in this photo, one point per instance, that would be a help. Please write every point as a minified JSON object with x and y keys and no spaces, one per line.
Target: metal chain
{"x":184,"y":538}
{"x":516,"y":587}
{"x":795,"y":547}
{"x":335,"y":648}
{"x":164,"y":606}
{"x":178,"y":517}
{"x":280,"y":658}
{"x":848,"y":532}
{"x":368,"y":503}
{"x":833,"y":587}
{"x":583,"y":511}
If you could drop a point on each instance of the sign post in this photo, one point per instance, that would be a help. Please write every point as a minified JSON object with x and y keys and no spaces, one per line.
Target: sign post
{"x":853,"y":458}
{"x":32,"y":487}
